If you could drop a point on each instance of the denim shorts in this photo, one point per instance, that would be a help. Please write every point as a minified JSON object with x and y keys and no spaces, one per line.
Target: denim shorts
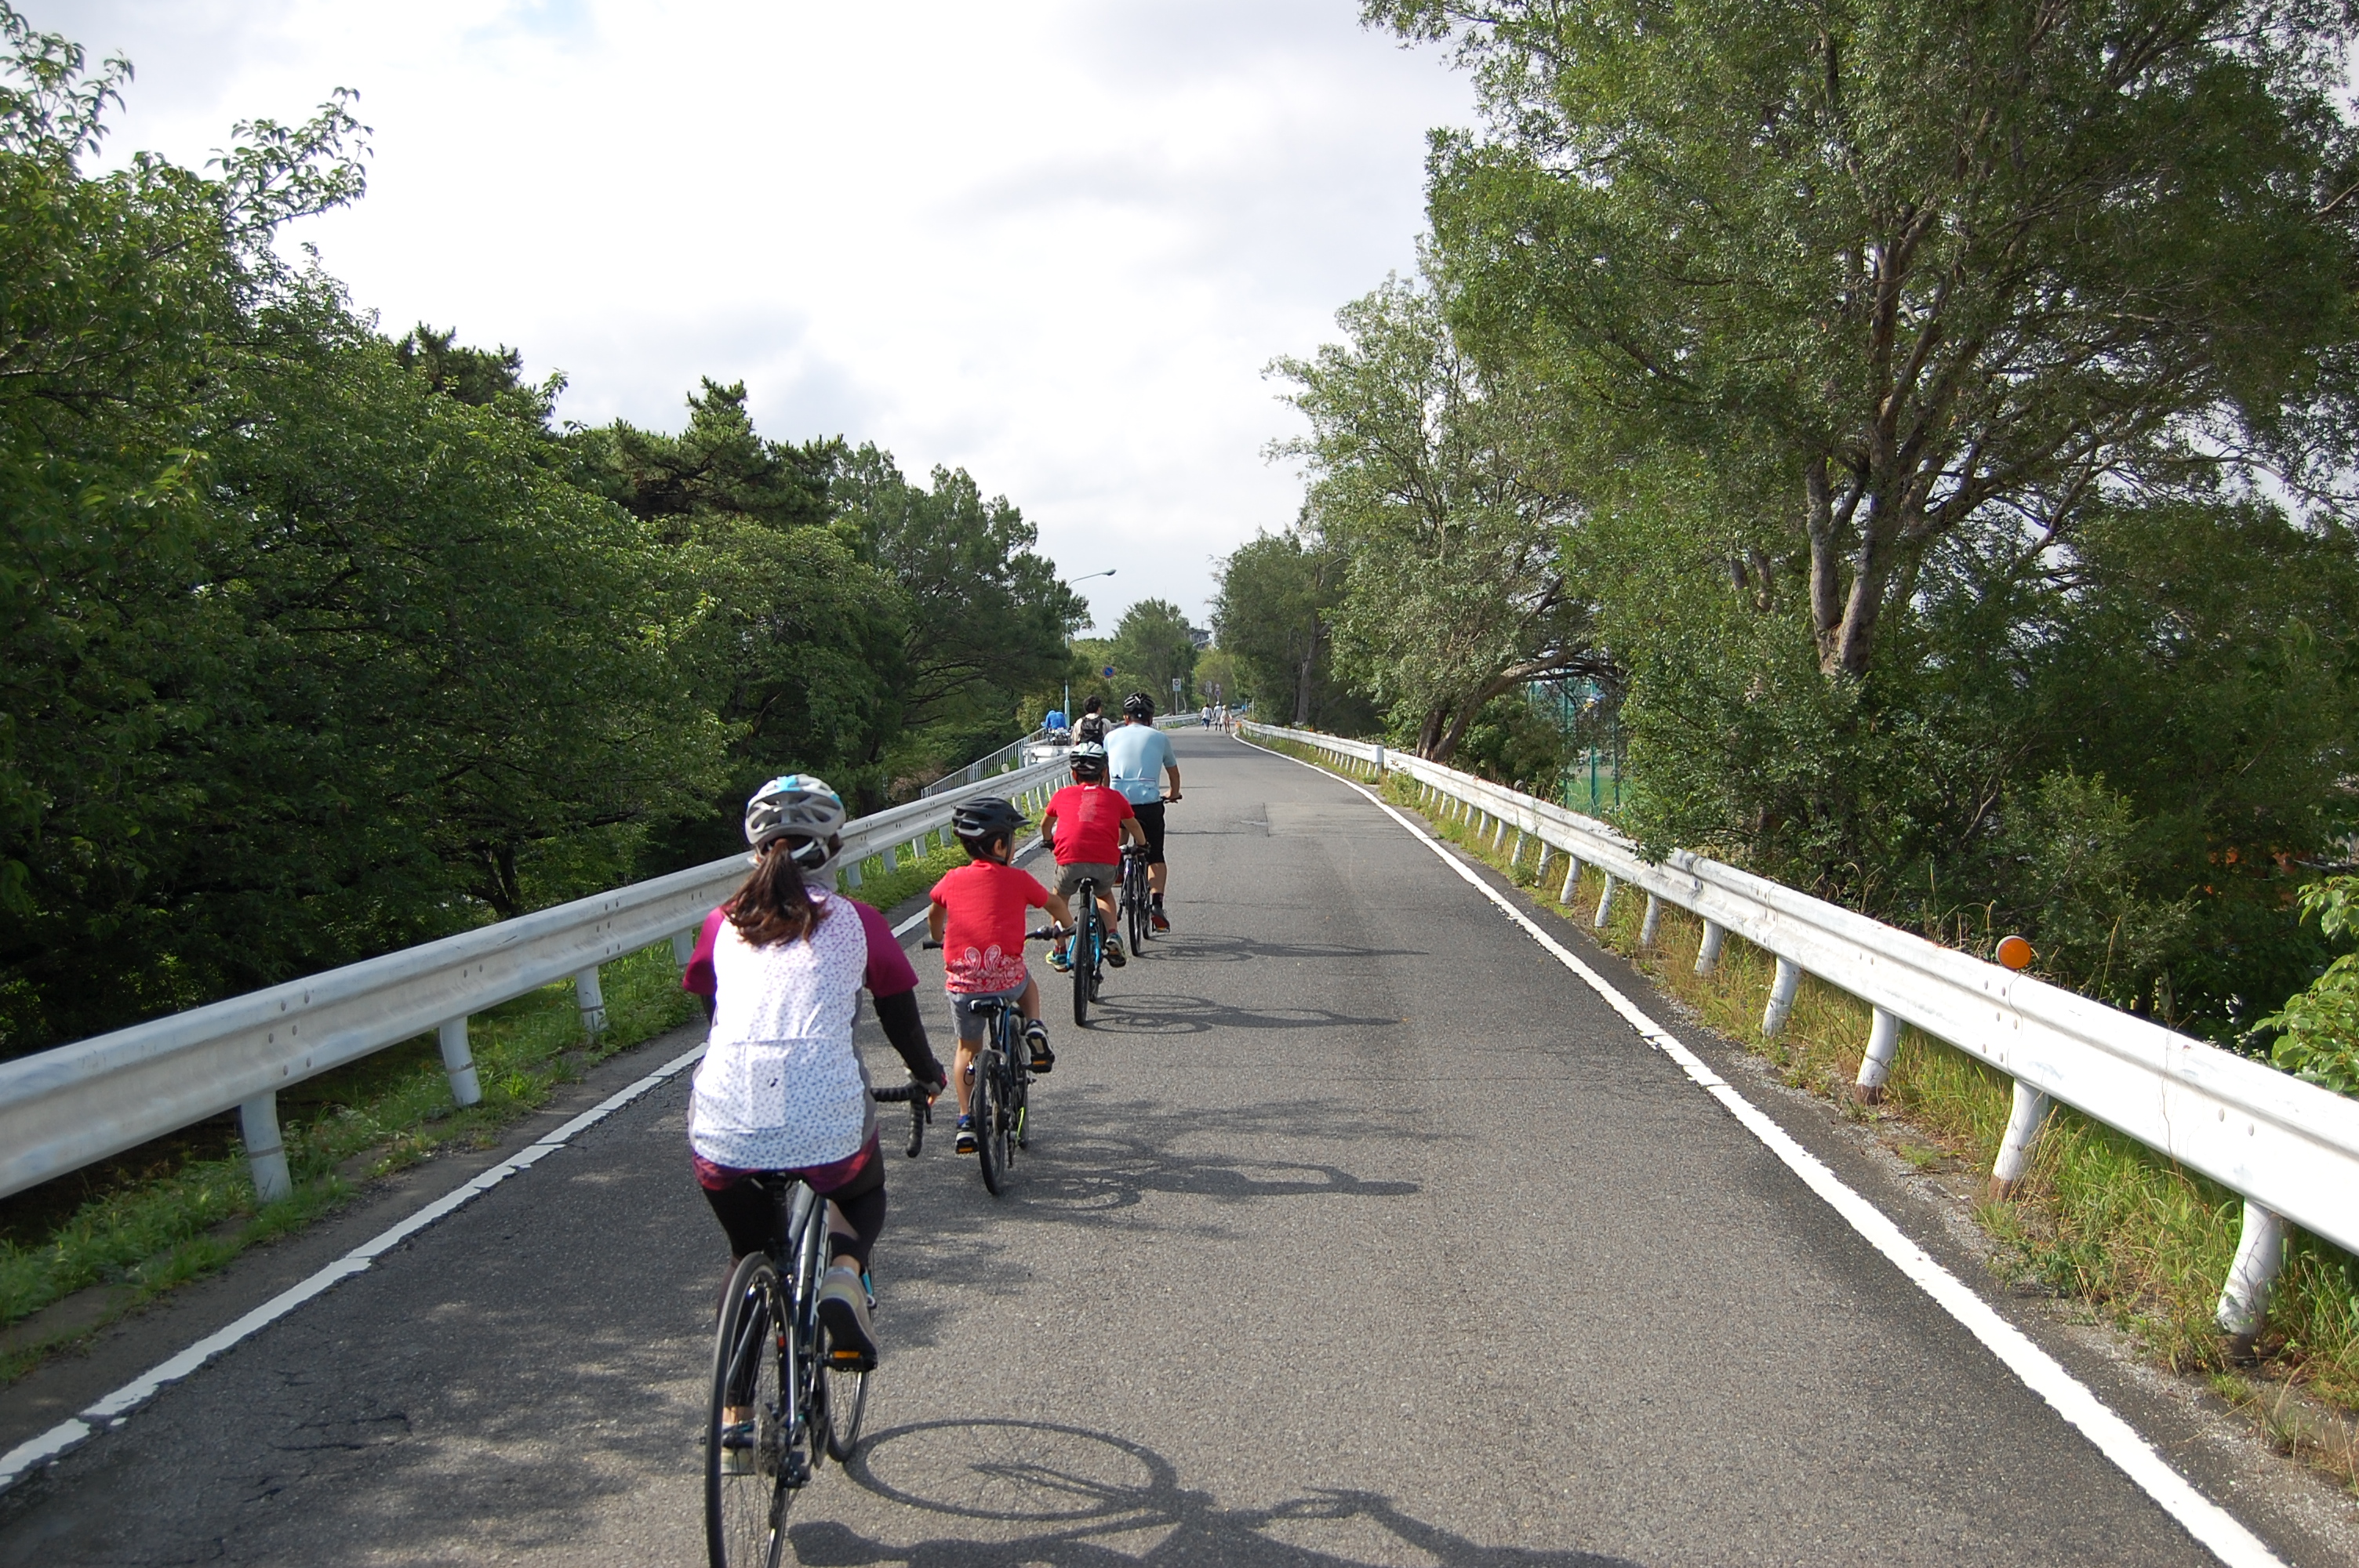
{"x":970,"y":1019}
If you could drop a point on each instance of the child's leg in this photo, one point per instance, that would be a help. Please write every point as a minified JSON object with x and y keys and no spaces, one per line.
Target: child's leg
{"x":1029,"y":1003}
{"x":960,"y":1079}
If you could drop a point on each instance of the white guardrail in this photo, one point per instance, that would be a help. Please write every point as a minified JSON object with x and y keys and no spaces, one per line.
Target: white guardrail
{"x":2289,"y":1149}
{"x":65,"y":1108}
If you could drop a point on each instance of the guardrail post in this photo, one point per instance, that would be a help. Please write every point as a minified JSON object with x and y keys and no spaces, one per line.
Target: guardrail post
{"x":1781,"y":997}
{"x":2245,"y":1296}
{"x":1572,"y":879}
{"x":265,"y":1155}
{"x":590,"y":1000}
{"x":851,"y":873}
{"x":1516,"y":851}
{"x":1380,"y":760}
{"x":459,"y":1061}
{"x":2023,"y":1125}
{"x":1605,"y":901}
{"x":1708,"y":951}
{"x":683,"y":947}
{"x":1875,"y":1065}
{"x":1652,"y":926}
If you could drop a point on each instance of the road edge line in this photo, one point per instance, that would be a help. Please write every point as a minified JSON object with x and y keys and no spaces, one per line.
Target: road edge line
{"x":2213,"y":1527}
{"x":111,"y":1411}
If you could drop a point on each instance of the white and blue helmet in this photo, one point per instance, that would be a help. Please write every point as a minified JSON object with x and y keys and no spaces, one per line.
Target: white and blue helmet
{"x":798,"y":805}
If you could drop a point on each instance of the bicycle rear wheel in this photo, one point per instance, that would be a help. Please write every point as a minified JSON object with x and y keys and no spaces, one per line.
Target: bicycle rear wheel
{"x":745,"y":1502}
{"x":984,"y":1105}
{"x":1085,"y":954}
{"x":1134,"y":899}
{"x":1010,"y":1130}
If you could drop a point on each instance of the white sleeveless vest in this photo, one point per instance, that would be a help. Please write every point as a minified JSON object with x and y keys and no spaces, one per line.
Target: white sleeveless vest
{"x":781,"y":1086}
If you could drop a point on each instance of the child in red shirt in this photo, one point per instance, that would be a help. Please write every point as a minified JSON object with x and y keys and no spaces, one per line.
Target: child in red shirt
{"x":1087,"y":823}
{"x":978,"y":913}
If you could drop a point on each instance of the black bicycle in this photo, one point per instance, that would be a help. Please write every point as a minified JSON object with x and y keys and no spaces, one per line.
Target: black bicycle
{"x":1085,"y":954}
{"x":1000,"y":1082}
{"x":1138,"y":893}
{"x":784,"y":1399}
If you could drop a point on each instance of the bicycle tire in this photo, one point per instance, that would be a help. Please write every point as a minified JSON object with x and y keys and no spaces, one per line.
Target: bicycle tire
{"x":746,"y":1515}
{"x":1134,"y":899}
{"x":984,"y":1105}
{"x":1011,"y":1089}
{"x":839,"y":1395}
{"x":1085,"y":954}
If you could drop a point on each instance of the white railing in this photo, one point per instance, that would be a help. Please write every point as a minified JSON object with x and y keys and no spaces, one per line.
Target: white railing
{"x":1005,"y":760}
{"x":2289,"y":1149}
{"x":65,"y":1108}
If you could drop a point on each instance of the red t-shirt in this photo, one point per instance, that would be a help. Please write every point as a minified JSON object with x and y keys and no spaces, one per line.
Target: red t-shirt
{"x":1089,"y":823}
{"x":983,"y":939}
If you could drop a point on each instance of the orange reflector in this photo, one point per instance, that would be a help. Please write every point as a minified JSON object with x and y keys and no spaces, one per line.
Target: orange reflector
{"x":2015,"y":953}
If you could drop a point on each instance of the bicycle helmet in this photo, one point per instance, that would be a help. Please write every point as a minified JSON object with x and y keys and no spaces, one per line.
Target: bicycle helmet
{"x":980,"y":821}
{"x":1087,"y":760}
{"x":1138,"y":706}
{"x":798,"y":806}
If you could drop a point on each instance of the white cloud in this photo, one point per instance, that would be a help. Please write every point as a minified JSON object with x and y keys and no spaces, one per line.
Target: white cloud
{"x":1052,"y":244}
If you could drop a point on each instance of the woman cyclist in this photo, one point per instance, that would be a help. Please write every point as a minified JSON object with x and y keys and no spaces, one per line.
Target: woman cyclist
{"x":782,"y":1087}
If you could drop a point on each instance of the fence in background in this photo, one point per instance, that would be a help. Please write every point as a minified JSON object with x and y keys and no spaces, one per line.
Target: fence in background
{"x":2290,"y":1149}
{"x":1007,"y":759}
{"x":65,"y":1108}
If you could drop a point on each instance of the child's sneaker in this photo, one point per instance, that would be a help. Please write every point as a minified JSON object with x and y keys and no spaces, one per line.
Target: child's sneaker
{"x":1155,"y":916}
{"x":1058,"y":961}
{"x":1043,"y":1059}
{"x":965,"y":1144}
{"x":1112,"y":952}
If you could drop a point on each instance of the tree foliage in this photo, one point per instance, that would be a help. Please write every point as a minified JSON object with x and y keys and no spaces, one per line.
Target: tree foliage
{"x":315,"y":643}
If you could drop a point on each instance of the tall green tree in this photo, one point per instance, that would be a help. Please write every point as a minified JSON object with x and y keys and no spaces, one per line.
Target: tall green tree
{"x":1442,"y":488}
{"x":1274,"y":615}
{"x":1905,"y":269}
{"x":1153,"y":648}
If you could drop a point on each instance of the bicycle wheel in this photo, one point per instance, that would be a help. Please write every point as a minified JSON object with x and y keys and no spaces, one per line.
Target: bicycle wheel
{"x":1085,"y":954}
{"x":745,"y":1502}
{"x":838,"y":1393}
{"x":1011,"y":1090}
{"x":1134,"y":899}
{"x":984,"y":1105}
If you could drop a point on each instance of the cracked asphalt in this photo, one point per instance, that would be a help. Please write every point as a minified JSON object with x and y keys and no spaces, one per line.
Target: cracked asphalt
{"x":1356,"y":1232}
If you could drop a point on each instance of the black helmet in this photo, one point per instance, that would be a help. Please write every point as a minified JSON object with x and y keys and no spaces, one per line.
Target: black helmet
{"x":1087,"y":760}
{"x":1138,"y":706}
{"x":980,"y":821}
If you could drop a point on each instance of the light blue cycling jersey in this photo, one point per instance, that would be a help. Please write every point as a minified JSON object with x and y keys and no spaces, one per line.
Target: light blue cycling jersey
{"x":1136,"y":755}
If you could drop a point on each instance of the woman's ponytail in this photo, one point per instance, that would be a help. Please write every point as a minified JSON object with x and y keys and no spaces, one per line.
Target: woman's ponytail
{"x":774,"y":904}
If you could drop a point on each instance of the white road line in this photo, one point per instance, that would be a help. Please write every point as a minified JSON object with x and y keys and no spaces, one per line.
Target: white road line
{"x":36,"y":1452}
{"x":2209,"y":1523}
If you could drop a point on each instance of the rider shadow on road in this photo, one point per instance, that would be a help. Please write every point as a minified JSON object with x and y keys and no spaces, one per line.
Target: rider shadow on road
{"x":1172,"y":1013}
{"x":1018,"y":1492}
{"x":1209,"y":947}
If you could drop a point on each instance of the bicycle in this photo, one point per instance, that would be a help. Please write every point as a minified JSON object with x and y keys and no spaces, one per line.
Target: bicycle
{"x":769,"y":1358}
{"x":1086,"y":952}
{"x":999,"y":1102}
{"x":1135,"y":894}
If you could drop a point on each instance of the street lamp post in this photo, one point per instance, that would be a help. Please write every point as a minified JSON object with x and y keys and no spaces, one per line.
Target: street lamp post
{"x":1068,"y":642}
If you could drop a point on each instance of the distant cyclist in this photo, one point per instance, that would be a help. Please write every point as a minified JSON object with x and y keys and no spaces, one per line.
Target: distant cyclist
{"x":782,"y":1087}
{"x":1136,"y":752}
{"x":1087,"y":824}
{"x":978,"y":913}
{"x":1092,"y":724}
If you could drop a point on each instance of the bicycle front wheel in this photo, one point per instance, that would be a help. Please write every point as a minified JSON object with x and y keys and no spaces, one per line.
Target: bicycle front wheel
{"x":745,"y":1459}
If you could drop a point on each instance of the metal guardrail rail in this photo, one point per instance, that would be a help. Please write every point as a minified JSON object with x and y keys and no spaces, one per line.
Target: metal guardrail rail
{"x":65,"y":1108}
{"x":2289,"y":1149}
{"x":1005,"y":760}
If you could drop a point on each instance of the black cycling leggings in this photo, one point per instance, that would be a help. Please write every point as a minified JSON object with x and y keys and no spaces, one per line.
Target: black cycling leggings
{"x":856,"y":1215}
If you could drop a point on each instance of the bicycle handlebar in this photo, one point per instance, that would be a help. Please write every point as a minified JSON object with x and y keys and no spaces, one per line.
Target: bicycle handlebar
{"x":922,"y":1110}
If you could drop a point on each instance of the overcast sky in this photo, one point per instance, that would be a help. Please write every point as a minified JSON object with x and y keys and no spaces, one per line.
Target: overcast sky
{"x":1054,"y":244}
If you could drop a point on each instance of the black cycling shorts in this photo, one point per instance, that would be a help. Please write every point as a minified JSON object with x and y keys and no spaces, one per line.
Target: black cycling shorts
{"x":1150,"y":822}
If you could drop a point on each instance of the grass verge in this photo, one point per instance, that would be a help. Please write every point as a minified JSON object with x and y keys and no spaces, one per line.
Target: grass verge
{"x":2099,"y":1220}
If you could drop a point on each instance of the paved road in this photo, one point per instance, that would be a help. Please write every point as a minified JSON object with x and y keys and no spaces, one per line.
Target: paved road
{"x":1357,"y":1232}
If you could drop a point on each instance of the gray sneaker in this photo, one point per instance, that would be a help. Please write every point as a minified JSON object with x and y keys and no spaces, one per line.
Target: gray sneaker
{"x":844,"y":1310}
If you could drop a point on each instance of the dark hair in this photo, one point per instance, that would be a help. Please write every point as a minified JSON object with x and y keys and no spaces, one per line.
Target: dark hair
{"x":979,"y":847}
{"x":775,"y":905}
{"x":1093,"y":705}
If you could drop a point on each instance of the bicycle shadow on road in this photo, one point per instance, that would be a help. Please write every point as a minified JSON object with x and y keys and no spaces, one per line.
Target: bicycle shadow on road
{"x":1015,"y":1492}
{"x":1173,"y":1013}
{"x":1209,"y":947}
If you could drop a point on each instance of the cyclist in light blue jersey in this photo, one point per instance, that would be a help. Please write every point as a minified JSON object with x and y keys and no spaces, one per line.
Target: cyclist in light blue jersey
{"x":1137,"y":753}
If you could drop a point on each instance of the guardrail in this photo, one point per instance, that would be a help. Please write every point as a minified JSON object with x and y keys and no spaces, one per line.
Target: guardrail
{"x":1005,"y":760}
{"x":65,"y":1108}
{"x":2290,"y":1149}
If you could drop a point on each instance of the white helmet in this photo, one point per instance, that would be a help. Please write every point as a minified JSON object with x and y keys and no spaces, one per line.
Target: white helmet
{"x":798,"y":805}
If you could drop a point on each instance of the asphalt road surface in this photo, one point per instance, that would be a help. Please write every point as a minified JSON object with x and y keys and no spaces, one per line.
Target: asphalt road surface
{"x":1356,"y":1231}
